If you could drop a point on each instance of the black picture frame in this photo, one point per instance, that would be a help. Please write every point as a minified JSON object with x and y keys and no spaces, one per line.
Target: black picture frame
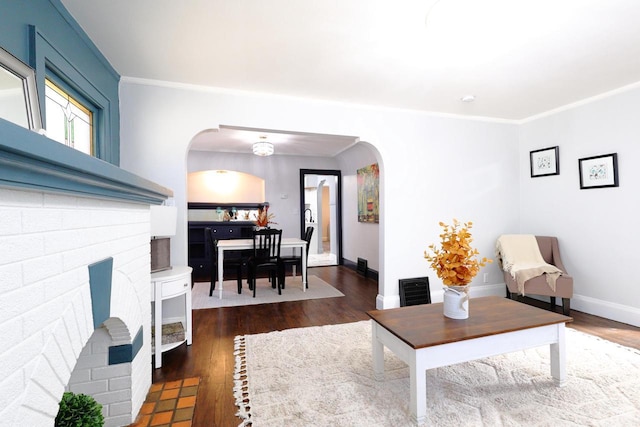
{"x":598,"y":171}
{"x":544,"y":162}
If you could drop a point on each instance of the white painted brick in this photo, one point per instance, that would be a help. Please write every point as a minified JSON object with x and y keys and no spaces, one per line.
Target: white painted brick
{"x":53,"y":379}
{"x":61,"y":335}
{"x":45,"y":389}
{"x":43,"y":316}
{"x":9,"y":414}
{"x":15,"y":303}
{"x":105,"y":228}
{"x":12,"y":334}
{"x":66,"y":284}
{"x":120,"y":408}
{"x":120,"y":420}
{"x":32,"y":417}
{"x":20,"y":248}
{"x":10,"y":222}
{"x":17,"y":357}
{"x":111,"y":371}
{"x":44,"y":401}
{"x":53,"y":354}
{"x":10,"y":277}
{"x":120,"y":383}
{"x":64,"y":241}
{"x":21,"y":198}
{"x":110,"y":397}
{"x":80,"y":376}
{"x":91,"y":388}
{"x":41,"y":220}
{"x":92,"y":361}
{"x":41,"y":268}
{"x":11,"y":387}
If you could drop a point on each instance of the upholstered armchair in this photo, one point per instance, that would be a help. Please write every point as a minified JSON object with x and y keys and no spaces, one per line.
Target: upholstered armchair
{"x":550,"y":252}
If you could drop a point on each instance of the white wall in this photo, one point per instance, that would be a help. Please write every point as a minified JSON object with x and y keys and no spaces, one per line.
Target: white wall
{"x":433,"y":168}
{"x":362,"y":239}
{"x":596,"y":228}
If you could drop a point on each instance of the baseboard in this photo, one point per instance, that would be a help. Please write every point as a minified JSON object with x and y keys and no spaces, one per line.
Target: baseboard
{"x":608,"y":310}
{"x":371,"y":274}
{"x":595,"y":307}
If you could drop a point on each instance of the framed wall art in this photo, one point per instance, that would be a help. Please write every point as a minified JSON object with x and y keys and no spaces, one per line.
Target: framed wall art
{"x":368,"y":179}
{"x":544,"y":162}
{"x":598,"y":171}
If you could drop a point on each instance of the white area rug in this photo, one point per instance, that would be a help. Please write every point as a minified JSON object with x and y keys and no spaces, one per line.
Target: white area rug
{"x":318,"y":288}
{"x":323,"y":376}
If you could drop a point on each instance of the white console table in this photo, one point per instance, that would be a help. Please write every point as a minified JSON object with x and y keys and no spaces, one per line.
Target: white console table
{"x":168,"y":284}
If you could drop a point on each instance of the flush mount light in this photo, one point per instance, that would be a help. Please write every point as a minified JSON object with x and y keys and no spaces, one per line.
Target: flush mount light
{"x":468,"y":98}
{"x":263,"y":148}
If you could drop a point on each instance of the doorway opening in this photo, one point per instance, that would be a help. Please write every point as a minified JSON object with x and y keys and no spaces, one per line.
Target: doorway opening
{"x":321,"y":209}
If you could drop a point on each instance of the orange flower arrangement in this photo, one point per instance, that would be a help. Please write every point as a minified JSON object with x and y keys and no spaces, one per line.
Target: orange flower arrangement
{"x":455,"y":262}
{"x":264,"y":218}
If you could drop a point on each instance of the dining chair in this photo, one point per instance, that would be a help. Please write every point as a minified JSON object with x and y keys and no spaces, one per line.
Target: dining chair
{"x":414,"y":291}
{"x":295,"y":260}
{"x":265,"y":257}
{"x":229,"y":263}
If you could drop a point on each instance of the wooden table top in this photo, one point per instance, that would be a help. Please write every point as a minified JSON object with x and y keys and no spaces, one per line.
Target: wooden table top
{"x":425,"y":325}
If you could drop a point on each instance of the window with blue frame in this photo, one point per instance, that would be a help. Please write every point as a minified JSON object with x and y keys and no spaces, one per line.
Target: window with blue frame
{"x":69,"y":117}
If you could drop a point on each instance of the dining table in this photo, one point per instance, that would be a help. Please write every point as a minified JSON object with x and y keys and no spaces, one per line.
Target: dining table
{"x":244,"y":244}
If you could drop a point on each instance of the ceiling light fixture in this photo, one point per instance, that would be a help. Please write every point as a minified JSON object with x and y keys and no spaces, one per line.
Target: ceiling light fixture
{"x":468,"y":98}
{"x":263,"y":148}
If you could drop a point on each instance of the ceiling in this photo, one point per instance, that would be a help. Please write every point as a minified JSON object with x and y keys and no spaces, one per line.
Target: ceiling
{"x":519,"y":58}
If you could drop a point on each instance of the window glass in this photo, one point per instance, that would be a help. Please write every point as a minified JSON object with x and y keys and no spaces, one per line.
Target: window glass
{"x":68,"y":120}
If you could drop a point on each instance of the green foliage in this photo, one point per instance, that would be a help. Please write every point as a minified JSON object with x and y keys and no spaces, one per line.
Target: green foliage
{"x":79,"y":410}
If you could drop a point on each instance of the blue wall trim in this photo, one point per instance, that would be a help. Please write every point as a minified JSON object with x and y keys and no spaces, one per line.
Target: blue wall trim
{"x":127,"y":352}
{"x":31,"y":161}
{"x":100,"y":283}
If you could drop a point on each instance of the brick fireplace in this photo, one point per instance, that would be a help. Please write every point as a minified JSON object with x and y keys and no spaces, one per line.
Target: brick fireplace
{"x":50,"y":329}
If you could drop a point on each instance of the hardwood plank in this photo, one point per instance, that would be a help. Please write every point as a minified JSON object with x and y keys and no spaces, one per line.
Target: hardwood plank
{"x":211,"y":355}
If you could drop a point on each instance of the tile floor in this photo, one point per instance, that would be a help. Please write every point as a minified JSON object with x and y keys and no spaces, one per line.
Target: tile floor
{"x":169,"y":404}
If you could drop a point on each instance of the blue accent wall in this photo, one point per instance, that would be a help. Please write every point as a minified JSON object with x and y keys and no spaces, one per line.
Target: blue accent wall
{"x":100,"y":275}
{"x":40,"y":32}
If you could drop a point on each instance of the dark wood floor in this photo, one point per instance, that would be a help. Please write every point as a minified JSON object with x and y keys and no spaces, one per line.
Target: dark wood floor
{"x":211,"y":355}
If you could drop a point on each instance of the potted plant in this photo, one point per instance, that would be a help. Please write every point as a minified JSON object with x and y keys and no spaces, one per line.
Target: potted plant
{"x":456,"y":263}
{"x":79,"y":410}
{"x":264,"y":218}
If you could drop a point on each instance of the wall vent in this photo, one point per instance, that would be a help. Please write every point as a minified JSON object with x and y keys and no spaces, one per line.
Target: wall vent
{"x":362,"y":266}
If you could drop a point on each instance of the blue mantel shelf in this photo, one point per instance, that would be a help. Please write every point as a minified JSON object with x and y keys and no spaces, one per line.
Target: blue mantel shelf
{"x":32,"y":161}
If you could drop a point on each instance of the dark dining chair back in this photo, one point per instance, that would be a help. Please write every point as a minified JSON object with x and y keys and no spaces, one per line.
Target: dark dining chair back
{"x":230,"y":263}
{"x":266,"y":257}
{"x":294,"y":259}
{"x":414,"y":291}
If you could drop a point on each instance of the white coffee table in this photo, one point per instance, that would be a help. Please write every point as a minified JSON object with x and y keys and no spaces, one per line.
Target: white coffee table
{"x":424,"y":339}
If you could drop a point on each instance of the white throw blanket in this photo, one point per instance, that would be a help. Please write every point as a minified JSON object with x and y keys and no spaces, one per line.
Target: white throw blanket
{"x":519,"y":255}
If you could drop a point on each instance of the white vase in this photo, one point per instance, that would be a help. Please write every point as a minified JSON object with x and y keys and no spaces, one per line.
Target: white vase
{"x":456,"y":302}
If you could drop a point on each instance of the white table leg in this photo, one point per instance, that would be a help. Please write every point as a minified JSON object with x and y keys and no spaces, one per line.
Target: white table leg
{"x":220,"y":269}
{"x":418,"y":388}
{"x":304,"y":268}
{"x":378,"y":353}
{"x":558,"y":358}
{"x":158,"y":325}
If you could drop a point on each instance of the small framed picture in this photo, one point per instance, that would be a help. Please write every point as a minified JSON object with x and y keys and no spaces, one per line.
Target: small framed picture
{"x":544,"y":162}
{"x":599,"y":171}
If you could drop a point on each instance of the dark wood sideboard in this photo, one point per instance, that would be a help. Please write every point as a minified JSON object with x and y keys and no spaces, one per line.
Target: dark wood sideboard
{"x":200,"y":254}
